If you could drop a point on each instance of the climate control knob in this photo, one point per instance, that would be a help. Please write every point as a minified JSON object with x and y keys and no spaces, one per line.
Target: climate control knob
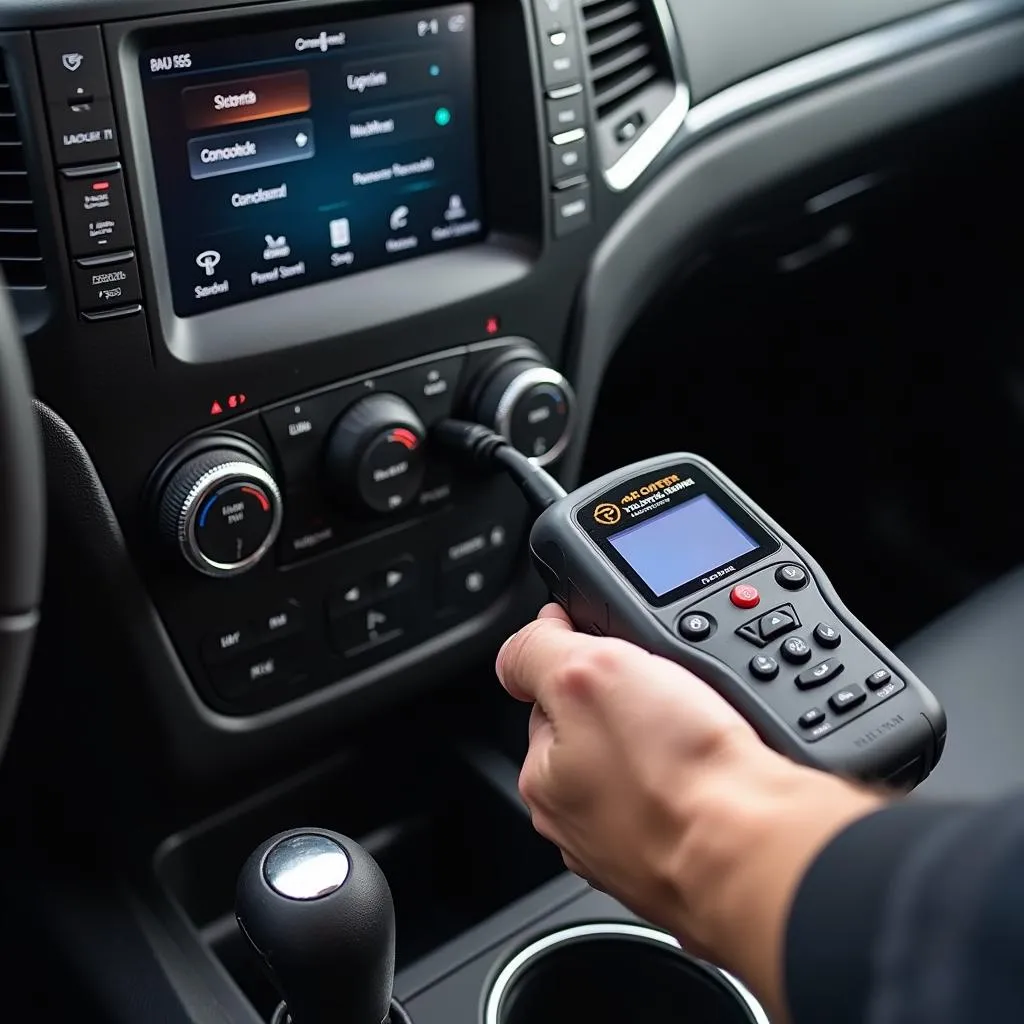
{"x":530,"y":405}
{"x":375,"y":456}
{"x":222,"y":510}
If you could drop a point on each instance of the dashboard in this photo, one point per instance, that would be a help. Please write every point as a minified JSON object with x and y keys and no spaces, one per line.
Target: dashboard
{"x":259,"y":249}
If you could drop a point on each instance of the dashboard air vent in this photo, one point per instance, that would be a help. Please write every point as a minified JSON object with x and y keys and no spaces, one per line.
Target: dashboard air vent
{"x":20,"y":255}
{"x":626,"y":50}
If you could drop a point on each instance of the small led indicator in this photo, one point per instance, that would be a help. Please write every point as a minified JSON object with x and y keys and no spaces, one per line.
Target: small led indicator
{"x":100,"y":186}
{"x":443,"y":116}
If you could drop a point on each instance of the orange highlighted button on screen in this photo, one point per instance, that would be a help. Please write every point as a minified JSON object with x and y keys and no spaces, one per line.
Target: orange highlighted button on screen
{"x":246,"y":99}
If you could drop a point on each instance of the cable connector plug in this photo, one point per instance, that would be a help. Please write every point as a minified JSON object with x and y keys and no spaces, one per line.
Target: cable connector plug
{"x":487,"y":450}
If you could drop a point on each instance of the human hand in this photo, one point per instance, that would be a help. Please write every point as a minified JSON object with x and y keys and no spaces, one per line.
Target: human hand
{"x":660,"y":794}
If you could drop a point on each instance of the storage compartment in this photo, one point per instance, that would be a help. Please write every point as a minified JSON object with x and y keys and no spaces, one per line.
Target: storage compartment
{"x":606,"y":974}
{"x":454,"y":847}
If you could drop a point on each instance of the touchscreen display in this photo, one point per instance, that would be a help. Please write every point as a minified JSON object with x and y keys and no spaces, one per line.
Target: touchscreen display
{"x":680,"y":545}
{"x":304,"y":155}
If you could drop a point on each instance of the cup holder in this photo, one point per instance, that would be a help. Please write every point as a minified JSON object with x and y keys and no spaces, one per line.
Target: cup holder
{"x":610,"y":973}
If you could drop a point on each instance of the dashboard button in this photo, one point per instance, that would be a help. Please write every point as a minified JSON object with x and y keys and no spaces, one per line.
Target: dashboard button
{"x":468,"y":547}
{"x":281,"y":623}
{"x":96,"y":210}
{"x":474,"y":585}
{"x":569,"y":160}
{"x":566,"y":114}
{"x":571,"y":210}
{"x":819,"y":675}
{"x":103,"y":282}
{"x":791,"y":577}
{"x":554,"y":16}
{"x":397,"y":578}
{"x":84,"y":132}
{"x":72,"y":64}
{"x":262,"y":668}
{"x":560,"y":57}
{"x":430,"y":387}
{"x":299,"y":430}
{"x":227,"y":645}
{"x":375,"y":625}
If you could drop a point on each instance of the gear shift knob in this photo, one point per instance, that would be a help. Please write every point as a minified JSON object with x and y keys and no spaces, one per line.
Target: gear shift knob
{"x":318,"y":911}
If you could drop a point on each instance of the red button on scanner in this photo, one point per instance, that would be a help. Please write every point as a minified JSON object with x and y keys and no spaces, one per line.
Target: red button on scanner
{"x":745,"y":596}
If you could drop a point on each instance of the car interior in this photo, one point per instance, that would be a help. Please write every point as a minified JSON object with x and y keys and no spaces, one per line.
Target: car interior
{"x":254,"y":252}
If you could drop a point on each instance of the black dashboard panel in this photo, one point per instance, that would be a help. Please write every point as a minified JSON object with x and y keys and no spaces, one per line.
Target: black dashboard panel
{"x":728,"y":42}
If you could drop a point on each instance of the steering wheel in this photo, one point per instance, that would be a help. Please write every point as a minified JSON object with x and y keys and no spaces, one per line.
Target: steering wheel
{"x":22,"y":516}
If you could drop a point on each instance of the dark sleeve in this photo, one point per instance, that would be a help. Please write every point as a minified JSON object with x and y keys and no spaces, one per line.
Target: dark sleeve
{"x":915,"y":913}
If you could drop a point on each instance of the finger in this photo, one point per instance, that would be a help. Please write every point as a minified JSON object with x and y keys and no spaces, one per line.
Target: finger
{"x":525,"y":654}
{"x":554,"y":611}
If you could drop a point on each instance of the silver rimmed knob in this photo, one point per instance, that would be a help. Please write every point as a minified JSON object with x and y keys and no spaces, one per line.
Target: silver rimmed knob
{"x":532,"y":406}
{"x":222,"y":510}
{"x":306,"y":867}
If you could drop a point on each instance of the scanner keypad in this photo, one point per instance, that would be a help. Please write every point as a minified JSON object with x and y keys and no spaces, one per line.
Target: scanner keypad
{"x":795,"y":660}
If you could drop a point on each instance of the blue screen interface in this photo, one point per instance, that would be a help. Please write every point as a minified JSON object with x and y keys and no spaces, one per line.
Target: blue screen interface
{"x":680,"y":545}
{"x":311,"y":154}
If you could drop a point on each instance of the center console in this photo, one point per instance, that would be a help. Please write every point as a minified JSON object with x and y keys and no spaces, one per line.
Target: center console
{"x":287,"y":239}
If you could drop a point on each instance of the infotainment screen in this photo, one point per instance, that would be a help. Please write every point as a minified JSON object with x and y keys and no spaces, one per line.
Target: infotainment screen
{"x":303,"y":155}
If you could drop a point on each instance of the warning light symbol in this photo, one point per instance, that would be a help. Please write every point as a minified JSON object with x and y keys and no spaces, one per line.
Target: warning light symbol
{"x":234,"y":401}
{"x":216,"y":409}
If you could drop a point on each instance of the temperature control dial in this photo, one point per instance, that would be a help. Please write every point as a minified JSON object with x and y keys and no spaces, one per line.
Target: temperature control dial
{"x":375,"y":454}
{"x":530,"y":405}
{"x":222,"y":509}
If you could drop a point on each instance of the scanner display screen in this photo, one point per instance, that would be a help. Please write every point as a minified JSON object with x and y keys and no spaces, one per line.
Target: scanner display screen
{"x":678,"y":546}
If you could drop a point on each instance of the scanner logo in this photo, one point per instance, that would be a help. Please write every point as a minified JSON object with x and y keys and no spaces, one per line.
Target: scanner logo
{"x":607,"y":514}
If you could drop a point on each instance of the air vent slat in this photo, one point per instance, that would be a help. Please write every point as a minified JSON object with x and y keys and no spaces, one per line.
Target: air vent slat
{"x":21,"y":256}
{"x":626,"y":50}
{"x":622,"y":60}
{"x":605,"y":12}
{"x":621,"y":90}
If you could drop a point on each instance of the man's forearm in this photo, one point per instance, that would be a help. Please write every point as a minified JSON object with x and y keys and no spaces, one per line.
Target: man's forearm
{"x":745,"y":853}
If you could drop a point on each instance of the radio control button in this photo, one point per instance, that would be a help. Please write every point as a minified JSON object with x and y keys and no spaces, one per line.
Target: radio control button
{"x":745,"y":596}
{"x":776,"y":623}
{"x":299,"y":429}
{"x":879,"y":679}
{"x":791,"y":577}
{"x":263,"y":668}
{"x":846,"y":700}
{"x":571,"y":210}
{"x":373,"y":625}
{"x":227,"y":645}
{"x":106,"y":282}
{"x":281,"y":623}
{"x":569,"y":161}
{"x":566,"y":114}
{"x":809,"y":719}
{"x":695,"y":627}
{"x":796,"y":650}
{"x":96,"y":210}
{"x":764,"y":668}
{"x":819,"y":675}
{"x":828,"y":636}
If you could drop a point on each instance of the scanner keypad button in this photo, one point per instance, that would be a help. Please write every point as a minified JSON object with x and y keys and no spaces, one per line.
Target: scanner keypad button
{"x":827,"y":635}
{"x":819,"y":675}
{"x":694,"y":626}
{"x":776,"y":623}
{"x":796,"y":650}
{"x":764,"y":668}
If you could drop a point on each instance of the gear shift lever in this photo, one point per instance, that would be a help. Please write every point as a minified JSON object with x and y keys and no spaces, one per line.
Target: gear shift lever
{"x":317,"y":909}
